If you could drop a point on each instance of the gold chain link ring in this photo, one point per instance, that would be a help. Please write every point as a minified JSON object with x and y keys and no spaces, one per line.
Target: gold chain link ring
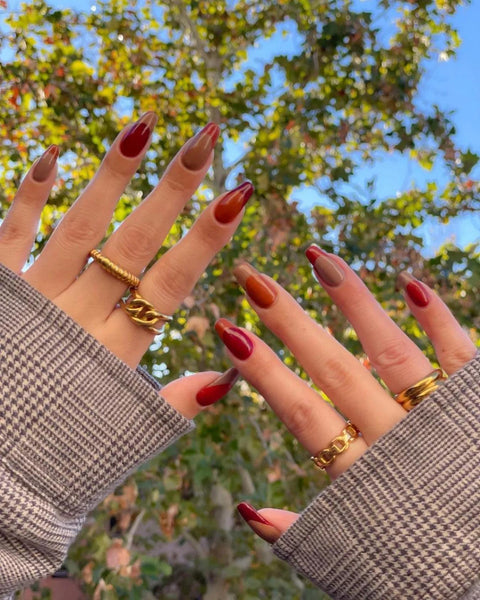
{"x":339,"y":444}
{"x":413,"y":395}
{"x":142,"y":312}
{"x":122,"y":274}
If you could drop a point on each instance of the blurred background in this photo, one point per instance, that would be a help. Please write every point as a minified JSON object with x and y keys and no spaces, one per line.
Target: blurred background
{"x":358,"y":124}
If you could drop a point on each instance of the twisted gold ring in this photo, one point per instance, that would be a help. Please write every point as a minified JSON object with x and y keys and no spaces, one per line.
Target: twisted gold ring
{"x":339,"y":444}
{"x":413,"y":395}
{"x":142,"y":312}
{"x":122,"y":274}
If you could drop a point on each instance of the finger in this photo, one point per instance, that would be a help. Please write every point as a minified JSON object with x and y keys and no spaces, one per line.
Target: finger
{"x":84,"y":225}
{"x":267,"y":523}
{"x":314,"y":422}
{"x":452,"y":344}
{"x":138,"y":239}
{"x":398,"y":361}
{"x":174,"y":275}
{"x":189,"y":395}
{"x":19,"y":228}
{"x":337,"y":372}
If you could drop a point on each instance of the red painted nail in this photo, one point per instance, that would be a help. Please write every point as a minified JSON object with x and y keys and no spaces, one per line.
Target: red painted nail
{"x":135,"y":139}
{"x":233,"y":202}
{"x":261,"y":526}
{"x":199,"y":148}
{"x":236,"y":340}
{"x":218,"y":388}
{"x":415,"y":289}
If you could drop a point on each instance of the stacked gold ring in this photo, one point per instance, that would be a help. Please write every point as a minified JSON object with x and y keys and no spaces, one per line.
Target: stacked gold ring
{"x":413,"y":395}
{"x":339,"y":444}
{"x":139,"y":310}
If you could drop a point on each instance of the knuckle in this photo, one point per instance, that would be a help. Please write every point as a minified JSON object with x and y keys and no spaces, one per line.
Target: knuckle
{"x":173,"y":184}
{"x":12,"y":233}
{"x":137,"y":243}
{"x":336,"y":375}
{"x":171,"y":281}
{"x":301,"y":418}
{"x":394,"y":353}
{"x":457,"y":356}
{"x":78,"y":230}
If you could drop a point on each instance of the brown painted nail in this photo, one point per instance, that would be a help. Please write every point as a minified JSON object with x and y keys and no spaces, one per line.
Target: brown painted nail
{"x":136,"y":138}
{"x":233,"y":202}
{"x":257,"y":286}
{"x":45,"y":164}
{"x":326,"y":269}
{"x":415,"y":289}
{"x":259,"y":524}
{"x":199,"y":148}
{"x":218,"y":388}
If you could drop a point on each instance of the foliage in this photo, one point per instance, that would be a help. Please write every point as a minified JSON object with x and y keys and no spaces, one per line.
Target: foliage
{"x":307,"y":118}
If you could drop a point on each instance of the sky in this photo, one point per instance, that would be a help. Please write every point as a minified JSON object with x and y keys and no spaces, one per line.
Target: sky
{"x":453,"y":85}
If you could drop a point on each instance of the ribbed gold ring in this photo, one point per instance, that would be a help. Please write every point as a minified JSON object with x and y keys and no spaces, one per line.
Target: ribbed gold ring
{"x":413,"y":395}
{"x":122,"y":274}
{"x":339,"y":444}
{"x":142,"y":312}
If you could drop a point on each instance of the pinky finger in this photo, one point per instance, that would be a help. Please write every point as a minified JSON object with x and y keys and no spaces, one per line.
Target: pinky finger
{"x":19,"y":228}
{"x":267,"y":523}
{"x":452,"y":345}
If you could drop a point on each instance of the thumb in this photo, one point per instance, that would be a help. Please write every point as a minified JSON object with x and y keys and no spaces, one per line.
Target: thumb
{"x":268,"y":523}
{"x":192,"y":393}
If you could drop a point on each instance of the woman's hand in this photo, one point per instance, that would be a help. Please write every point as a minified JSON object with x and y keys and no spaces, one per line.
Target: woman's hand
{"x":347,"y":383}
{"x":91,"y":296}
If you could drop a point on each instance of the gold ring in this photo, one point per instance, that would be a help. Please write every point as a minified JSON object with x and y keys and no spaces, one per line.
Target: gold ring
{"x":142,"y":312}
{"x":122,"y":274}
{"x":413,"y":395}
{"x":339,"y":444}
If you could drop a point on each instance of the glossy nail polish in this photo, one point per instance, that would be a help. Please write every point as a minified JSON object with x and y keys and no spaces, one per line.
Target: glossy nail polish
{"x":414,"y":289}
{"x":236,"y":340}
{"x":218,"y":388}
{"x":136,"y":138}
{"x":261,"y":526}
{"x":258,"y":287}
{"x":233,"y":202}
{"x":327,"y":270}
{"x":45,"y":164}
{"x":198,"y":149}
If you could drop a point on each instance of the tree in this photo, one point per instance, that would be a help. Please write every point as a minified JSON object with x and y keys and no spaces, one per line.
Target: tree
{"x":310,"y":119}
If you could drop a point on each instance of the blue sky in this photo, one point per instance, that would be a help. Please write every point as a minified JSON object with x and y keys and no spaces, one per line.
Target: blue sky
{"x":453,"y":85}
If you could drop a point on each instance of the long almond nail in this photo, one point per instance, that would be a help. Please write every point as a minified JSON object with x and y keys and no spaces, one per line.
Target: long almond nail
{"x":45,"y":164}
{"x":325,"y":268}
{"x":233,"y":202}
{"x":261,"y":526}
{"x":414,"y":289}
{"x":256,"y":285}
{"x":136,"y":138}
{"x":199,"y":148}
{"x":219,"y":388}
{"x":236,"y":340}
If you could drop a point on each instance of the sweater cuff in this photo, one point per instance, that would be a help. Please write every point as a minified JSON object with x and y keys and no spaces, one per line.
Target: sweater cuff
{"x":75,"y":420}
{"x":403,"y":520}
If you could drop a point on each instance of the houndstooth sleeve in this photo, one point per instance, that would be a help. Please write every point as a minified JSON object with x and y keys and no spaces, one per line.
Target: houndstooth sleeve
{"x":403,"y":522}
{"x":75,"y":421}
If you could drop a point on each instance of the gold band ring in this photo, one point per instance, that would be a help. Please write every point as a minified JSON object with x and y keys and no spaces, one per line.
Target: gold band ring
{"x":142,"y":312}
{"x":339,"y":444}
{"x":122,"y":274}
{"x":413,"y":395}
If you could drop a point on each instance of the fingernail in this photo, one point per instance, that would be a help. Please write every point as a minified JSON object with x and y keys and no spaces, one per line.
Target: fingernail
{"x":198,"y":149}
{"x":45,"y":164}
{"x":259,"y":524}
{"x":256,"y":285}
{"x":137,"y":136}
{"x":233,"y":202}
{"x":218,"y":388}
{"x":415,"y":290}
{"x":326,"y":269}
{"x":234,"y":339}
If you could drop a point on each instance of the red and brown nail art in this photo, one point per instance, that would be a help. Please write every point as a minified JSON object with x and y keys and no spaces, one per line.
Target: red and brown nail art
{"x":218,"y":388}
{"x":234,"y":338}
{"x":415,"y":290}
{"x":257,"y":286}
{"x":232,"y":203}
{"x":198,"y":149}
{"x":136,"y":138}
{"x":326,"y":269}
{"x":261,"y":526}
{"x":45,"y":164}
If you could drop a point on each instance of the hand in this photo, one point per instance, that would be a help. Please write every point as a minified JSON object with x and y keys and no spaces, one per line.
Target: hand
{"x":347,"y":383}
{"x":91,"y":296}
